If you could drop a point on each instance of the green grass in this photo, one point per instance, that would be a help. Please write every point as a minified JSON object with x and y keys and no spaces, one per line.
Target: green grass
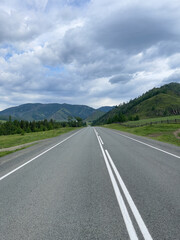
{"x":2,"y":154}
{"x":149,"y":120}
{"x":17,"y":139}
{"x":2,"y":121}
{"x":160,"y":132}
{"x":156,"y":105}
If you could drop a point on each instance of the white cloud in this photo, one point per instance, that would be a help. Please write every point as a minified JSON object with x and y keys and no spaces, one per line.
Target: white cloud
{"x":86,"y":52}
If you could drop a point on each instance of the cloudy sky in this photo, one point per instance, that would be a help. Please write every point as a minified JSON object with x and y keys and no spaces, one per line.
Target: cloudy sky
{"x":93,"y":52}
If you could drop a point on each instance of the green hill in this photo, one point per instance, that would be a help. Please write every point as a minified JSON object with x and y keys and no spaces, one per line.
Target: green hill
{"x":94,"y":116}
{"x":158,"y":102}
{"x":38,"y":111}
{"x":105,"y":109}
{"x":55,"y":111}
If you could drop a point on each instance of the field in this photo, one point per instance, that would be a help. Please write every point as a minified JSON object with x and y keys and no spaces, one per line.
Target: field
{"x":17,"y":139}
{"x":160,"y":132}
{"x":151,"y":120}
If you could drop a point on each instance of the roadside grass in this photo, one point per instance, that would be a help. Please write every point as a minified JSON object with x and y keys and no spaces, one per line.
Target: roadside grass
{"x":2,"y":154}
{"x":149,"y":120}
{"x":17,"y":139}
{"x":160,"y":132}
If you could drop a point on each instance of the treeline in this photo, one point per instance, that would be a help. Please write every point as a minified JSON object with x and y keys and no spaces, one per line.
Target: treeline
{"x":147,"y":105}
{"x":121,"y":118}
{"x":171,"y":88}
{"x":117,"y":118}
{"x":22,"y":127}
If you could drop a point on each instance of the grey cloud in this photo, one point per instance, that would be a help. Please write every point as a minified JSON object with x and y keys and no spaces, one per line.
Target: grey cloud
{"x":122,"y":78}
{"x":175,"y":77}
{"x":117,"y":39}
{"x":174,"y":61}
{"x":18,"y":26}
{"x":133,"y":30}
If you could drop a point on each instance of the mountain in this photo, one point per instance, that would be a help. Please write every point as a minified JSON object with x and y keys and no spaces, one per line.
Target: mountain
{"x":56,"y":111}
{"x":105,"y":109}
{"x":163,"y":101}
{"x":94,"y":116}
{"x":98,"y":113}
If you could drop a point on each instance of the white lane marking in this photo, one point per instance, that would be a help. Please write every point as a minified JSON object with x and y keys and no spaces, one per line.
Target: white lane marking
{"x":148,"y":145}
{"x":101,"y":140}
{"x":21,"y":166}
{"x":132,"y":205}
{"x":95,"y":131}
{"x":122,"y":206}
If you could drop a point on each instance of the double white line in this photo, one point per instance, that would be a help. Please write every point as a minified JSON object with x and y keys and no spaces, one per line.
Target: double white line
{"x":129,"y":225}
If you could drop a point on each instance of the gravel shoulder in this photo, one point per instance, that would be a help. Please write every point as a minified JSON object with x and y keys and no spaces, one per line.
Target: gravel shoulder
{"x":176,"y":133}
{"x":18,"y":147}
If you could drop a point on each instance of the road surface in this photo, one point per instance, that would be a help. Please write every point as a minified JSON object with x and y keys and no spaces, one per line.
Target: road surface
{"x":94,"y":183}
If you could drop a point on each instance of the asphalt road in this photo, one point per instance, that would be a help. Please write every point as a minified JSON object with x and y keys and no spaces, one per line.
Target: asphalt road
{"x":94,"y":183}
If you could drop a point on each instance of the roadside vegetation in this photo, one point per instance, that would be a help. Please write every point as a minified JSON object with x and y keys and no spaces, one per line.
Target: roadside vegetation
{"x":18,"y":139}
{"x":154,"y":114}
{"x":4,"y":153}
{"x":162,"y":132}
{"x":158,"y":102}
{"x":175,"y":118}
{"x":16,"y":133}
{"x":21,"y":127}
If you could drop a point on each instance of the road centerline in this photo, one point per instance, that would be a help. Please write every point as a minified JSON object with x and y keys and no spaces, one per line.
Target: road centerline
{"x":122,"y":206}
{"x":130,"y":201}
{"x":101,"y":140}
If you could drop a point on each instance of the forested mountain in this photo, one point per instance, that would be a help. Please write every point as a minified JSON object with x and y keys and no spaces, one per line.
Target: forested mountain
{"x":162,"y":101}
{"x":94,"y":116}
{"x":55,"y":111}
{"x":105,"y":109}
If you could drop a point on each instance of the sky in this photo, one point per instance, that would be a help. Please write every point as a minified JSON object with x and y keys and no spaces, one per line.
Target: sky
{"x":90,"y":52}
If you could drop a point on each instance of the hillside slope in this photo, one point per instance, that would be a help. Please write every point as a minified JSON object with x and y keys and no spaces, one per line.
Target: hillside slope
{"x":55,"y":111}
{"x":105,"y":109}
{"x":163,"y":101}
{"x":98,"y":113}
{"x":38,"y":111}
{"x":94,"y":116}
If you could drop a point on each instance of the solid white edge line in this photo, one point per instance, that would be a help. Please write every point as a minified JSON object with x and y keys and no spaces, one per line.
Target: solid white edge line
{"x":21,"y":166}
{"x":148,"y":145}
{"x":122,"y":206}
{"x":132,"y":205}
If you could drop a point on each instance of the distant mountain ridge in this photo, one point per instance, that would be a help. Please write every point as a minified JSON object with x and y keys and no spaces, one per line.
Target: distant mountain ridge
{"x":157,"y":102}
{"x":55,"y":111}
